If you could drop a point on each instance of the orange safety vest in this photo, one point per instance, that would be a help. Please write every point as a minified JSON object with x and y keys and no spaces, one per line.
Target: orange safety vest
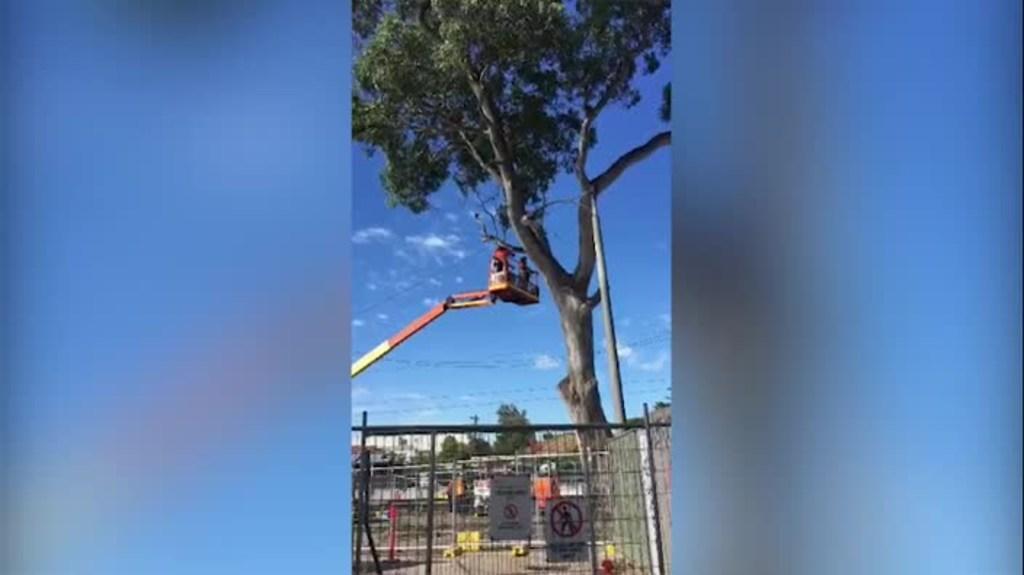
{"x":457,"y":488}
{"x":544,"y":488}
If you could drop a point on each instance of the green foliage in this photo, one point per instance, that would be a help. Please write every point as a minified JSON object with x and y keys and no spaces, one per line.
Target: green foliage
{"x":542,"y":64}
{"x":510,"y":442}
{"x":453,"y":450}
{"x":479,"y":447}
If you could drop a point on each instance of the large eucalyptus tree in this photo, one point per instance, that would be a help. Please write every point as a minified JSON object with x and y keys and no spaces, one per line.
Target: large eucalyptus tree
{"x":507,"y":94}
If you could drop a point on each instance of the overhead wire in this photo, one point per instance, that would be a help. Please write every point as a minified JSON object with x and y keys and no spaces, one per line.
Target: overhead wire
{"x":512,"y":360}
{"x":400,"y":293}
{"x":432,"y":402}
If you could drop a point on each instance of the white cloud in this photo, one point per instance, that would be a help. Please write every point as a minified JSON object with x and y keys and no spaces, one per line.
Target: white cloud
{"x":371,"y":286}
{"x":625,"y":352}
{"x":430,"y":301}
{"x":626,"y":322}
{"x":656,"y":364}
{"x":367,"y":235}
{"x":458,"y":279}
{"x":358,"y":323}
{"x":545,"y":362}
{"x":434,"y":282}
{"x":382,"y":316}
{"x":451,"y":217}
{"x":438,"y":246}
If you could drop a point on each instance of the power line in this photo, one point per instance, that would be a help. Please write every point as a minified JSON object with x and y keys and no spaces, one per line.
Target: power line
{"x":489,"y":394}
{"x":430,"y":402}
{"x":516,"y":360}
{"x":416,"y":284}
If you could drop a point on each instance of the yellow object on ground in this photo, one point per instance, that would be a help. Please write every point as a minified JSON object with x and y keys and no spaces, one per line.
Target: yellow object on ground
{"x":469,"y":540}
{"x":609,"y":551}
{"x":452,"y":552}
{"x":519,"y":551}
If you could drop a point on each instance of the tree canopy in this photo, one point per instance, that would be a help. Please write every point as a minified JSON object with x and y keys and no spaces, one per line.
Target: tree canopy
{"x":453,"y":450}
{"x":432,"y":77}
{"x":510,"y":442}
{"x":509,"y":92}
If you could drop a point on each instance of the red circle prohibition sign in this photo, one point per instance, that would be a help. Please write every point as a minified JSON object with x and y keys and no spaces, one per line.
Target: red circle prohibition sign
{"x":511,"y":511}
{"x":566,"y":519}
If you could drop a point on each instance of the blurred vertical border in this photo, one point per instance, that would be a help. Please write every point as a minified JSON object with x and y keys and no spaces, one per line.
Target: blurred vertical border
{"x":6,"y":425}
{"x":847,"y":287}
{"x":174,"y":232}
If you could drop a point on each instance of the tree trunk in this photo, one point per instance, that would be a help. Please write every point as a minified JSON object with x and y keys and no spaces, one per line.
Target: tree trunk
{"x":579,"y":388}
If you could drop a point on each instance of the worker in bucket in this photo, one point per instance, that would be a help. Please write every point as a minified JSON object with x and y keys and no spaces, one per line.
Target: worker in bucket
{"x":524,"y":274}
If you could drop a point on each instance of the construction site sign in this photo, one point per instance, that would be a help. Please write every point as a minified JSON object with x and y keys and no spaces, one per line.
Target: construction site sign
{"x":510,"y":508}
{"x":565,"y":530}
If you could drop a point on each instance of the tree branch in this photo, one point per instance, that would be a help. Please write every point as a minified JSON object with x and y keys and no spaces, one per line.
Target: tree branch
{"x":476,"y":156}
{"x":492,"y":239}
{"x":423,"y":15}
{"x":534,"y":240}
{"x":587,"y":256}
{"x":594,"y":300}
{"x":582,"y":149}
{"x":623,"y":70}
{"x":627,"y":160}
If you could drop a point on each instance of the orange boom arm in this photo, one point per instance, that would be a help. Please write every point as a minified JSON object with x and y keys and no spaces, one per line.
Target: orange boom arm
{"x":457,"y":301}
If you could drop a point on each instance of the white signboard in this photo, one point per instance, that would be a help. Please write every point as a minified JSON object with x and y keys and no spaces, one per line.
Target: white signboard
{"x":511,"y":508}
{"x":566,"y":530}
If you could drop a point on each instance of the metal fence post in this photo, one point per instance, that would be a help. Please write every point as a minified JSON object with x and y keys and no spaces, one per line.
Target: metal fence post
{"x":453,"y":501}
{"x":654,"y":492}
{"x":430,"y":503}
{"x":591,"y":508}
{"x":364,"y":467}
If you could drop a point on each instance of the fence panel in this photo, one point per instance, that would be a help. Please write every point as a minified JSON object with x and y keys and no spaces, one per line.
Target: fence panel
{"x":604,"y":488}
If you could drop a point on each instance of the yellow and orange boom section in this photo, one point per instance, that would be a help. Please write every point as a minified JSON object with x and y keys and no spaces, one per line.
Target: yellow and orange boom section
{"x":457,"y":301}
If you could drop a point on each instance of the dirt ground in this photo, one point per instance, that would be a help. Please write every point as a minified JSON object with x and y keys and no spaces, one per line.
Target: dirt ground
{"x":481,"y":563}
{"x":490,"y":563}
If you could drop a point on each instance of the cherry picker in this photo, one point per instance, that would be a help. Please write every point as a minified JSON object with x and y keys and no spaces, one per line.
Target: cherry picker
{"x":512,"y":286}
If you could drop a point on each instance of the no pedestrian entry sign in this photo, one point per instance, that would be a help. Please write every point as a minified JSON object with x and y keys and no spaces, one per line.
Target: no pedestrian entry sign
{"x":510,"y":508}
{"x":565,"y":530}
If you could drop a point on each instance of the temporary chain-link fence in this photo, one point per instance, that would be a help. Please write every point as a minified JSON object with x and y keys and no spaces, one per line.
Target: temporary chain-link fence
{"x":495,"y":500}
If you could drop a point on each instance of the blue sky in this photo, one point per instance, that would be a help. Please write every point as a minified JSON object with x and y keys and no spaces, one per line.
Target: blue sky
{"x":468,"y":362}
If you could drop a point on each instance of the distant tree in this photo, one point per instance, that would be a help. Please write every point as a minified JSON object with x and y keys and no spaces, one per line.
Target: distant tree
{"x":479,"y":447}
{"x":510,"y":442}
{"x":453,"y":450}
{"x":508,"y":93}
